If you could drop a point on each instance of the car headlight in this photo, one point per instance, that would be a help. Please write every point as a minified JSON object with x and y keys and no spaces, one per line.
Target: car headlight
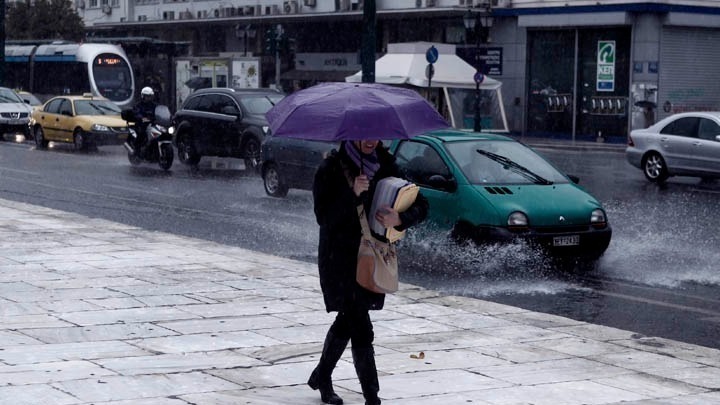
{"x":99,"y":128}
{"x":517,"y":221}
{"x":265,"y":129}
{"x":171,"y":130}
{"x":598,"y":218}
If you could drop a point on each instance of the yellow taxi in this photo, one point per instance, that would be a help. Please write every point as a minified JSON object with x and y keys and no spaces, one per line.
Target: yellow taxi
{"x":86,"y":121}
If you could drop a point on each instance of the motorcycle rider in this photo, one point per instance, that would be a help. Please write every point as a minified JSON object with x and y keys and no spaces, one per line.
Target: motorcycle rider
{"x":144,"y":114}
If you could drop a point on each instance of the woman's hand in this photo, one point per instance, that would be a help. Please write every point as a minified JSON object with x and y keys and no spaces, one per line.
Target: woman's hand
{"x":388,"y":217}
{"x":361,"y":184}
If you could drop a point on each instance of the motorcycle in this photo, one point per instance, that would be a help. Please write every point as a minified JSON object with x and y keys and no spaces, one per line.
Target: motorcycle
{"x":158,"y":141}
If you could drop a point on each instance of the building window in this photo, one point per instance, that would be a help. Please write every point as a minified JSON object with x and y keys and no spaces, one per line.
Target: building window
{"x":93,"y":3}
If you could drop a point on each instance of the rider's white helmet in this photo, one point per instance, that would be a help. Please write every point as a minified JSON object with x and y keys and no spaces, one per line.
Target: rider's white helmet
{"x":147,"y":91}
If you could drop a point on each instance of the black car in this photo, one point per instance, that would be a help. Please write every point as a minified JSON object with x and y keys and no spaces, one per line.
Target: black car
{"x":291,"y":163}
{"x":224,"y":122}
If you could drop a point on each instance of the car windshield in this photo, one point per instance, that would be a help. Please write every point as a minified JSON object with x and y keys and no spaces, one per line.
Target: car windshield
{"x":502,"y":162}
{"x":260,"y":104}
{"x":96,"y":107}
{"x":9,"y":96}
{"x":30,"y":99}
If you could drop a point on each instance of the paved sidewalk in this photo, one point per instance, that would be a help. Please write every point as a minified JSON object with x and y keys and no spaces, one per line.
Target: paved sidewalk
{"x":95,"y":312}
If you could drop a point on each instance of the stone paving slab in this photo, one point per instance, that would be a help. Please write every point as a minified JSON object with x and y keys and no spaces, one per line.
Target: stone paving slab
{"x":108,"y":314}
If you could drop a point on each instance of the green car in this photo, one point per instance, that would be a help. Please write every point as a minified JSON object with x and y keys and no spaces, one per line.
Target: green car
{"x":490,"y":188}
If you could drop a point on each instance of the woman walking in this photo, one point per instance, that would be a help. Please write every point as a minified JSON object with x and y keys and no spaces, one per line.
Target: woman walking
{"x":346,"y":179}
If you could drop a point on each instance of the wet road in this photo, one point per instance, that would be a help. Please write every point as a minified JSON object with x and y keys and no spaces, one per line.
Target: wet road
{"x":658,"y":277}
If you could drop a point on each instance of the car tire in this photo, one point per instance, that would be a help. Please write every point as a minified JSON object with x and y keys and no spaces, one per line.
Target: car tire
{"x":464,"y":233}
{"x":40,"y":141}
{"x":250,"y":152}
{"x":79,"y":140}
{"x":186,"y":152}
{"x":274,"y":186}
{"x":654,"y":168}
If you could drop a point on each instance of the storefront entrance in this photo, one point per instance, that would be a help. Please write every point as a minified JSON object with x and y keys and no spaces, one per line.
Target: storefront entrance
{"x":578,"y":84}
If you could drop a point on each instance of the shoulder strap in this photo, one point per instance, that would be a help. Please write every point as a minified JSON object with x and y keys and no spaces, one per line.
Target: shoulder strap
{"x":363,"y":222}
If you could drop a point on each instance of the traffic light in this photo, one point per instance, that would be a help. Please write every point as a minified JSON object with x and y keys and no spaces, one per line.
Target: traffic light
{"x":286,"y":45}
{"x":270,"y":41}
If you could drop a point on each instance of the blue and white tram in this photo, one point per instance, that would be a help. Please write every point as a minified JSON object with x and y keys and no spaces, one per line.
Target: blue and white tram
{"x":60,"y":67}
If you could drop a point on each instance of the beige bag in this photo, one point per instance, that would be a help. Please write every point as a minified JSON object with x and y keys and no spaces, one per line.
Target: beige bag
{"x":377,"y":265}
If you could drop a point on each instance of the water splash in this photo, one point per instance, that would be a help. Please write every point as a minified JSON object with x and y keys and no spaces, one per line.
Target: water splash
{"x":478,"y":270}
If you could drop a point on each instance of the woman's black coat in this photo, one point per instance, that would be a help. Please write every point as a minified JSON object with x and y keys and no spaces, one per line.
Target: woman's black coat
{"x":335,"y":206}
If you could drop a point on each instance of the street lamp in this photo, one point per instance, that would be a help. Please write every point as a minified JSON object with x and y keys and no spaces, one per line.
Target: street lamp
{"x":480,"y":23}
{"x":246,"y":32}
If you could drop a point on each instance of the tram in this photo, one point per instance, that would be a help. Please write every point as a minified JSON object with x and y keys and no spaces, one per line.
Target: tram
{"x":61,"y":67}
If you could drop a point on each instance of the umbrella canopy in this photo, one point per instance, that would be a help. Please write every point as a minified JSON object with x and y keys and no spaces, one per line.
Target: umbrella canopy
{"x":199,"y":83}
{"x":353,"y":111}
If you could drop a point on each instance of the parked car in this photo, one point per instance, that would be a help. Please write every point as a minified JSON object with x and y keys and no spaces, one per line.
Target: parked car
{"x":224,"y":122}
{"x":291,"y":163}
{"x":490,"y":188}
{"x":86,"y":121}
{"x":685,"y":144}
{"x":14,"y":114}
{"x":29,"y":98}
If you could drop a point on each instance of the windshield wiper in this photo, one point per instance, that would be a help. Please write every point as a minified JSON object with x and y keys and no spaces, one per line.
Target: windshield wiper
{"x":517,"y":168}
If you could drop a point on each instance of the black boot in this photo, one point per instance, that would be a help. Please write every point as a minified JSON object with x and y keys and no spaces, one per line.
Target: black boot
{"x":321,"y":377}
{"x":364,"y":360}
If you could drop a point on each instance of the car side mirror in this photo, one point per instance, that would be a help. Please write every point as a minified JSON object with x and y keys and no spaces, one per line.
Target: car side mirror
{"x":440,"y":182}
{"x":574,"y":179}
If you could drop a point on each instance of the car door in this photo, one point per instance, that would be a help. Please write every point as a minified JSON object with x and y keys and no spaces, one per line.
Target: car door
{"x":48,"y":118}
{"x":419,"y":162}
{"x":228,"y":118}
{"x":65,"y":121}
{"x":679,"y":142}
{"x":204,"y":128}
{"x":301,"y":158}
{"x":707,"y":150}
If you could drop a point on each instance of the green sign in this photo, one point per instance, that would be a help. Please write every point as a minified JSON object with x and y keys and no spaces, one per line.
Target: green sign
{"x":606,"y":66}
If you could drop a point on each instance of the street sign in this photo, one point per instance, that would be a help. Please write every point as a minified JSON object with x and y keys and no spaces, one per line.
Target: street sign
{"x":478,"y":77}
{"x":432,"y":55}
{"x":429,"y":71}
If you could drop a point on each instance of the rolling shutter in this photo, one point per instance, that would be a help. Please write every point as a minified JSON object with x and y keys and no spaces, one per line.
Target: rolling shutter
{"x":689,"y":70}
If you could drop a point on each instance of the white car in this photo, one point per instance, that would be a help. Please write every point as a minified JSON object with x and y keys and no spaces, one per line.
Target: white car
{"x":684,"y":144}
{"x":14,"y":113}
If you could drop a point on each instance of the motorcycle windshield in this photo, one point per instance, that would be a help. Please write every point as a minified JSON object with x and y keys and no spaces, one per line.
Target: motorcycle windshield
{"x":162,"y":115}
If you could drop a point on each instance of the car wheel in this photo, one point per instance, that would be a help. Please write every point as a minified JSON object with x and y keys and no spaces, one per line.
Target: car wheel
{"x":251,"y":153}
{"x":274,"y":186}
{"x":463,"y":233}
{"x":79,"y":140}
{"x":40,"y":141}
{"x":654,"y":168}
{"x":186,"y":152}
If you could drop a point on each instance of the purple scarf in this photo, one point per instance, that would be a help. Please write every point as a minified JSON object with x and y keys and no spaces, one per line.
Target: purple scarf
{"x":368,"y":164}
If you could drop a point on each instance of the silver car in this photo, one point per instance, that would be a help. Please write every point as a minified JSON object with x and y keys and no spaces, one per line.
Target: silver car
{"x":14,"y":113}
{"x":684,"y":144}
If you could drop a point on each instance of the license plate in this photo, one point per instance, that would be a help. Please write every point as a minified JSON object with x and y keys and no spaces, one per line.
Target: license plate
{"x":570,"y":240}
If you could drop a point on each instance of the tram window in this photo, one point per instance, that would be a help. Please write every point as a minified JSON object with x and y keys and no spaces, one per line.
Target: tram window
{"x":57,"y":78}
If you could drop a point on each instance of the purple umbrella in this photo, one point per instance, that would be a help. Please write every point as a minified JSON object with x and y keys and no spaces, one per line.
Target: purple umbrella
{"x":353,"y":111}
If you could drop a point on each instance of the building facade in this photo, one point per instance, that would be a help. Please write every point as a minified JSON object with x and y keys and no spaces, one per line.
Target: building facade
{"x":570,"y":69}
